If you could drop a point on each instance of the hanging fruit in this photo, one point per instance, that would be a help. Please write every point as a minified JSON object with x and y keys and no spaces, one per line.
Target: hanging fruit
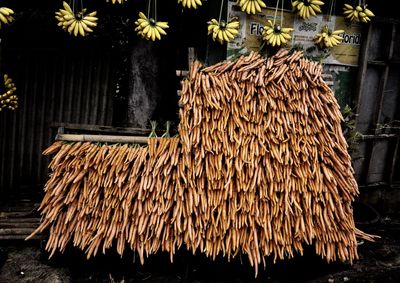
{"x":190,"y":3}
{"x":117,"y":1}
{"x":223,"y":31}
{"x":6,"y":16}
{"x":251,"y":6}
{"x":359,"y":13}
{"x":276,"y":35}
{"x":149,"y":28}
{"x":307,"y":8}
{"x":328,"y":38}
{"x":76,"y":22}
{"x":8,"y":100}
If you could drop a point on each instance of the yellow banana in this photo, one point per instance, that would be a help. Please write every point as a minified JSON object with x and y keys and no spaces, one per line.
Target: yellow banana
{"x":222,"y":31}
{"x":150,"y":29}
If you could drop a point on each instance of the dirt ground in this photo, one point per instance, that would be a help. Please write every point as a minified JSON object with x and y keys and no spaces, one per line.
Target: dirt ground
{"x":27,"y":262}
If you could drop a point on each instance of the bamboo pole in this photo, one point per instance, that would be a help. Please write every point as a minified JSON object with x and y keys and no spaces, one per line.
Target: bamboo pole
{"x":101,"y":138}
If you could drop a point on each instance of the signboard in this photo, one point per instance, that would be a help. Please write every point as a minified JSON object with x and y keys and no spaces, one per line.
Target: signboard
{"x":250,"y":39}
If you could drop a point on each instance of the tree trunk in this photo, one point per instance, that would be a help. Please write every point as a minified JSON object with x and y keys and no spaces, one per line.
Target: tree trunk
{"x":144,"y":87}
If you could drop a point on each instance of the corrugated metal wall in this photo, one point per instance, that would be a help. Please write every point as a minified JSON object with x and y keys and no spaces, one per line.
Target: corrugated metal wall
{"x":52,"y":86}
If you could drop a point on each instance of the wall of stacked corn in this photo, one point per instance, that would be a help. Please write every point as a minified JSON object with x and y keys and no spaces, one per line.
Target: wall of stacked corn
{"x":260,"y":167}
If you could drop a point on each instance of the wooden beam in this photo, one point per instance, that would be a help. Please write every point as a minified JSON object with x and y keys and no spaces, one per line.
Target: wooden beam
{"x":376,"y":137}
{"x":363,"y":63}
{"x":102,"y":138}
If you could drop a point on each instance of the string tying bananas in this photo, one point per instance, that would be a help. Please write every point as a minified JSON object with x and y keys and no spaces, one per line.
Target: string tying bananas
{"x":251,"y":6}
{"x":190,"y":3}
{"x":307,"y":8}
{"x":359,"y":13}
{"x":275,"y":35}
{"x":328,"y":38}
{"x":6,"y":16}
{"x":117,"y":1}
{"x":8,"y":99}
{"x":76,"y":23}
{"x":149,"y":28}
{"x":223,"y":31}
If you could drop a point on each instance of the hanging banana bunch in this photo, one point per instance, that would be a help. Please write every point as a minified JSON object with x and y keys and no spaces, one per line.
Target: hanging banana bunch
{"x":223,"y":31}
{"x":251,"y":6}
{"x":190,"y":3}
{"x":307,"y":8}
{"x":276,"y":35}
{"x":328,"y":38}
{"x":6,"y":16}
{"x":360,"y":13}
{"x":117,"y":1}
{"x":150,"y":28}
{"x":76,"y":22}
{"x":8,"y":100}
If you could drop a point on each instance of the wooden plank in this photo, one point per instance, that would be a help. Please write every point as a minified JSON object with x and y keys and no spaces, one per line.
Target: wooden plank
{"x":378,"y":136}
{"x":21,"y":237}
{"x":363,"y":67}
{"x":377,"y":63}
{"x":394,"y":162}
{"x":15,"y":214}
{"x":19,"y":220}
{"x":181,"y":73}
{"x":360,"y":91}
{"x":12,"y":225}
{"x":19,"y":208}
{"x":16,"y":231}
{"x":102,"y":138}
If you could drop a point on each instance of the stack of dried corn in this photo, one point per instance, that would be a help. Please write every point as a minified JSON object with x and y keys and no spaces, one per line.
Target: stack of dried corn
{"x":262,"y":146}
{"x":98,"y":194}
{"x":261,"y":168}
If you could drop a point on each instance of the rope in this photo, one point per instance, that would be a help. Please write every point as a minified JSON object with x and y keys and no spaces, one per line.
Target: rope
{"x":155,"y":10}
{"x":220,"y":10}
{"x":282,"y":14}
{"x":276,"y":11}
{"x":331,"y":4}
{"x":148,"y":8}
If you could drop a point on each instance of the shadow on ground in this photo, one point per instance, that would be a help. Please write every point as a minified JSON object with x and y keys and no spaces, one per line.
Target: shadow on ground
{"x":27,"y":262}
